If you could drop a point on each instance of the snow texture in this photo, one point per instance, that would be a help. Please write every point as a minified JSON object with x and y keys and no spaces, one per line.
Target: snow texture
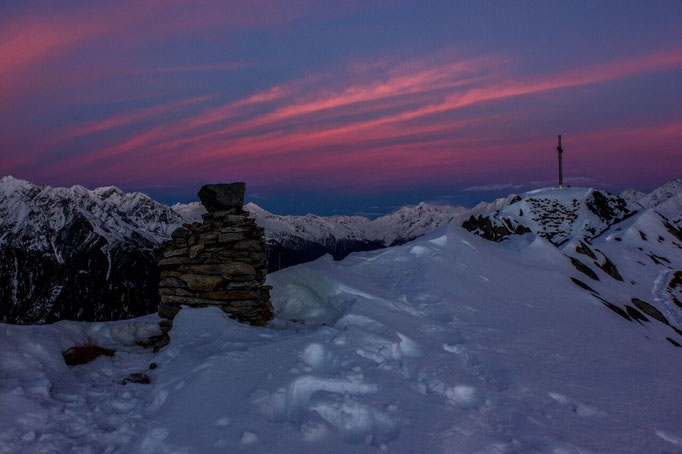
{"x":447,"y":344}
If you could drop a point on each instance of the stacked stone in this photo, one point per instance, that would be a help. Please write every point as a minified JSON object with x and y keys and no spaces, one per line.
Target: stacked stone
{"x":221,"y":262}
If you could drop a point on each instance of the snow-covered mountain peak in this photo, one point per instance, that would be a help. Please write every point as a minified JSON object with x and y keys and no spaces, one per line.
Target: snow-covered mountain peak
{"x":632,"y":195}
{"x":669,"y":190}
{"x":36,"y":213}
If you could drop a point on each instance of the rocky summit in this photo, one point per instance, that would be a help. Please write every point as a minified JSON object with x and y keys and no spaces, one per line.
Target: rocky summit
{"x":220,"y":262}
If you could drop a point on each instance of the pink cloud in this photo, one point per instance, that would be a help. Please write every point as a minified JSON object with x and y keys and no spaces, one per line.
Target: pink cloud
{"x":381,"y":123}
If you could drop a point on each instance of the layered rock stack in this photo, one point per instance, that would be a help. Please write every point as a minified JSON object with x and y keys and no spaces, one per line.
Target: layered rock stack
{"x":221,"y":262}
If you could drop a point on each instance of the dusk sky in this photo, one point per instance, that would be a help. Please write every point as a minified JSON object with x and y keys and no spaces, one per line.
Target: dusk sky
{"x":341,"y":107}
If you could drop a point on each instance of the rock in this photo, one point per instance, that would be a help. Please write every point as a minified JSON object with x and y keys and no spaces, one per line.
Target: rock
{"x":219,"y":197}
{"x":180,"y":234}
{"x":586,"y":270}
{"x":613,"y":307}
{"x":137,"y":377}
{"x":610,"y":268}
{"x":201,"y":281}
{"x":674,"y":342}
{"x":584,"y":249}
{"x":649,"y":310}
{"x":583,"y":285}
{"x":195,"y":250}
{"x":635,"y":314}
{"x":83,"y":354}
{"x":221,"y":262}
{"x":484,"y":227}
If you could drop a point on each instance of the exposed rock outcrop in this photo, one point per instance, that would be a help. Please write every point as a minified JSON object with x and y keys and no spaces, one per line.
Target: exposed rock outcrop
{"x":220,"y":262}
{"x":484,"y":227}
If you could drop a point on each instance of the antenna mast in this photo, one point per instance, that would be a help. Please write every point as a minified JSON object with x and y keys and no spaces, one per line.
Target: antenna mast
{"x":560,"y":151}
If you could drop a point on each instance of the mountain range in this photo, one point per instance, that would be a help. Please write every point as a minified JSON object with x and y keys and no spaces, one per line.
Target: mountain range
{"x":75,"y":253}
{"x":555,"y":328}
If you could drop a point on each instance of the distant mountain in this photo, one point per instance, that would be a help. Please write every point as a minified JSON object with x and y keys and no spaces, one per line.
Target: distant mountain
{"x":297,"y":239}
{"x":671,"y":191}
{"x":632,"y":195}
{"x":74,"y":253}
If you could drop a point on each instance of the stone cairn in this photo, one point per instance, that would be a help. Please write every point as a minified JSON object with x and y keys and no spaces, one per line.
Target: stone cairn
{"x":221,"y":262}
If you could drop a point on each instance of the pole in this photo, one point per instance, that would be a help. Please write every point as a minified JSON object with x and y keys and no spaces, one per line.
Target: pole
{"x":560,"y":151}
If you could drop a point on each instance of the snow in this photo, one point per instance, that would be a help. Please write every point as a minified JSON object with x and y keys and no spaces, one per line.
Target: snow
{"x":405,"y":349}
{"x":446,"y":344}
{"x":406,"y":223}
{"x":35,"y":214}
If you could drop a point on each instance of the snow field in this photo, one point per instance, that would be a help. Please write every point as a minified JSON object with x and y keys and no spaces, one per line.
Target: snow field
{"x":449,"y":344}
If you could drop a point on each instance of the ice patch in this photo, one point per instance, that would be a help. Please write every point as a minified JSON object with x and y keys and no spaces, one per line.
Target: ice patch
{"x":319,"y":359}
{"x":419,"y":251}
{"x":358,"y":423}
{"x":462,"y":395}
{"x":440,"y":241}
{"x":249,"y":438}
{"x":301,"y":389}
{"x":292,"y":402}
{"x":314,"y":431}
{"x":409,"y":347}
{"x":345,"y":289}
{"x":677,"y":441}
{"x":223,"y":422}
{"x":467,"y":243}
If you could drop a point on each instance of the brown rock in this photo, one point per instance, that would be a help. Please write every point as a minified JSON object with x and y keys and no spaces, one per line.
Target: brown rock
{"x":200,"y":282}
{"x":195,"y":250}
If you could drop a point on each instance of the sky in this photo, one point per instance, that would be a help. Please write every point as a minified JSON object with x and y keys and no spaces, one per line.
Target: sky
{"x":341,"y":107}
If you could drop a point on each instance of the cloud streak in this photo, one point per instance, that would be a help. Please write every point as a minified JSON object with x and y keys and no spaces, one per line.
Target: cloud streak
{"x":129,"y":99}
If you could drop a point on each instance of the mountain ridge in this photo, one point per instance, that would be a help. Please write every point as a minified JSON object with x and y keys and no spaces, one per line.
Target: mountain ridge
{"x":90,"y":254}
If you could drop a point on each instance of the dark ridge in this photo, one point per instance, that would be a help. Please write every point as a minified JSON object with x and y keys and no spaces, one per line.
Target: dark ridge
{"x":586,"y":270}
{"x":609,"y":268}
{"x":657,"y":259}
{"x":583,"y":285}
{"x":676,"y":344}
{"x":614,"y":308}
{"x":584,"y":249}
{"x":674,"y":231}
{"x":635,"y":314}
{"x":650,"y":310}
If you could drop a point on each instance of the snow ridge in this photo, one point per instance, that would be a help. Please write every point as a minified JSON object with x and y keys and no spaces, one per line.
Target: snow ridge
{"x":33,"y":214}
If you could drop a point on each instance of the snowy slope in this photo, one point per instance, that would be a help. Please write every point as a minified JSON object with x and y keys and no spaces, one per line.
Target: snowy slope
{"x":447,"y":344}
